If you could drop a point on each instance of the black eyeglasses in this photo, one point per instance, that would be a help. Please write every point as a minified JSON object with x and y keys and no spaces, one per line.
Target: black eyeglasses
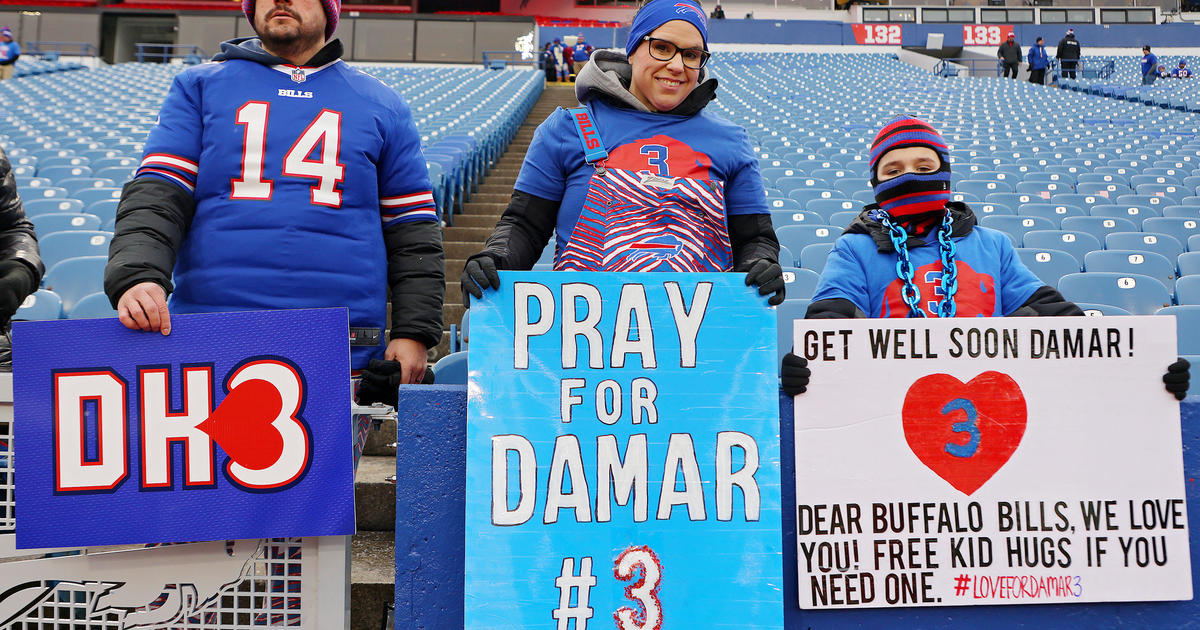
{"x":663,"y":50}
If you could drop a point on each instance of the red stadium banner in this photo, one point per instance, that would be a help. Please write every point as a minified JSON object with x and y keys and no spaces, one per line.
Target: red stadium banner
{"x":877,"y":34}
{"x":986,"y":34}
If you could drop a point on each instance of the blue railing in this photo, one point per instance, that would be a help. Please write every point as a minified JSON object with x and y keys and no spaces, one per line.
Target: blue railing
{"x":500,"y":59}
{"x":162,"y":53}
{"x":992,"y":67}
{"x":51,"y":51}
{"x":1086,"y":69}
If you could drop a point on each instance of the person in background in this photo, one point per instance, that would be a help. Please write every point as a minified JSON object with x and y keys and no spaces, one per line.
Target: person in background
{"x":916,"y":253}
{"x":1149,"y":66}
{"x":548,"y":63}
{"x":1163,"y":73}
{"x":677,"y":188}
{"x":21,"y":265}
{"x":1182,"y":72}
{"x":561,"y":60}
{"x":1009,"y":54}
{"x":717,"y":13}
{"x":1038,"y":61}
{"x":9,"y":52}
{"x":580,"y":53}
{"x":1068,"y":54}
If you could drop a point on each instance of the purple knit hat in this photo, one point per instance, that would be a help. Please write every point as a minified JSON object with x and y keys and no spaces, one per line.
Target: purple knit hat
{"x":333,"y":8}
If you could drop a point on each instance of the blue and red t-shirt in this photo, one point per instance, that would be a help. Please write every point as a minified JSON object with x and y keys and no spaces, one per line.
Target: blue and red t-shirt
{"x":702,"y":146}
{"x":992,"y":281}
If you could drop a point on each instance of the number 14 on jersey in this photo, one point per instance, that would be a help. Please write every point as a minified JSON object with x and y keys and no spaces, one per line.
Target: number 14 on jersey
{"x":324,"y":131}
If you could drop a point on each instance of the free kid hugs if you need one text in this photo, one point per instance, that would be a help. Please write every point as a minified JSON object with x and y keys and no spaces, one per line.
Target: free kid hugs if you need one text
{"x":917,"y":552}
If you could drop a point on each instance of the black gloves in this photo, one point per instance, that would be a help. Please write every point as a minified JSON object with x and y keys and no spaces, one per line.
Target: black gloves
{"x":768,"y":276}
{"x":1177,"y":377}
{"x":16,"y":283}
{"x":380,"y":381}
{"x":479,"y":273}
{"x":793,"y":374}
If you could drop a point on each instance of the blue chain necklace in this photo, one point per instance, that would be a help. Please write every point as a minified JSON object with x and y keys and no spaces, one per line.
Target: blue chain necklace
{"x":904,"y":269}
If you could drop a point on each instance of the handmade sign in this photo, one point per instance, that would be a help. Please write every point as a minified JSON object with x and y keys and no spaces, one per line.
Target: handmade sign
{"x":236,"y":425}
{"x":622,"y":454}
{"x":989,"y":461}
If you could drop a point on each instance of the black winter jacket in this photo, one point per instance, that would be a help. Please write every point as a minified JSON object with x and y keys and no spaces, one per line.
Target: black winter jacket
{"x":17,"y":240}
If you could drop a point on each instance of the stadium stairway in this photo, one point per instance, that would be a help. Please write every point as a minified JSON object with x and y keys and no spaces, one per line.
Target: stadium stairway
{"x":479,"y":215}
{"x":373,"y":547}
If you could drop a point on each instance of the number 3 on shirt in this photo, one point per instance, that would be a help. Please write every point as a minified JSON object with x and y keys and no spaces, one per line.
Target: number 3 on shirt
{"x":325,"y":129}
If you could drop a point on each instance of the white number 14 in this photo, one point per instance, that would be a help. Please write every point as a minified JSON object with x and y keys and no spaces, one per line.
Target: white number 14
{"x":324,"y":130}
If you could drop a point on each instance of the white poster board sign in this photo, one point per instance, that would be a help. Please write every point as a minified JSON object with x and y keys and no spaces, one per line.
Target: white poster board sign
{"x":989,"y":461}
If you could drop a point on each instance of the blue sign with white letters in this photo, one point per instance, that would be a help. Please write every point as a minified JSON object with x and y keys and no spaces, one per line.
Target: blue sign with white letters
{"x":236,"y":425}
{"x":623,"y":454}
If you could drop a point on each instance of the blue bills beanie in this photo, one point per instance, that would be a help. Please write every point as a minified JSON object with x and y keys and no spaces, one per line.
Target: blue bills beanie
{"x":658,"y":12}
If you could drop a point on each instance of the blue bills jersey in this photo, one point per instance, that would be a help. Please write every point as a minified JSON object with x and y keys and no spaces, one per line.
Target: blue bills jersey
{"x":295,"y":172}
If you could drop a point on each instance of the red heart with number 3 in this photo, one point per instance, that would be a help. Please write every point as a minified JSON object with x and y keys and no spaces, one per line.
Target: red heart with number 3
{"x":964,"y":432}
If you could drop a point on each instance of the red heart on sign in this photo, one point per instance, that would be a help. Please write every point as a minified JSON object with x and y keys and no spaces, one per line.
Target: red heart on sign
{"x":241,"y":424}
{"x":964,"y":433}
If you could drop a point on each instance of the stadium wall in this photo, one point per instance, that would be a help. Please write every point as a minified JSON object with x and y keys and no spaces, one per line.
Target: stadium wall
{"x":430,"y":508}
{"x":836,"y":33}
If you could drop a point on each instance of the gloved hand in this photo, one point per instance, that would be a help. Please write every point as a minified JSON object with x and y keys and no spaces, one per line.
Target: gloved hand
{"x":479,"y":273}
{"x":1177,"y":377}
{"x":380,"y":381}
{"x":16,"y":283}
{"x":768,"y":276}
{"x":793,"y":374}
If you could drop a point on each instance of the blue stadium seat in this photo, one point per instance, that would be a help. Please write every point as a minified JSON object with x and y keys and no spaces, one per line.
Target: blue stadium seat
{"x":451,"y":369}
{"x":1180,"y":228}
{"x":1099,"y":227}
{"x":34,"y":207}
{"x":1011,"y":200}
{"x":1044,"y":190}
{"x":807,"y":195}
{"x":1049,"y":265}
{"x":826,"y":207}
{"x":1150,"y":201}
{"x":843,"y":219}
{"x":1164,"y":244}
{"x":56,"y":173}
{"x":1102,"y":178}
{"x":988,"y":207}
{"x":1136,"y":214}
{"x":785,"y":314}
{"x":41,"y":305}
{"x":92,"y":195}
{"x":1193,"y":243}
{"x":813,"y":256}
{"x":1187,"y":290}
{"x":1075,"y":243}
{"x":1138,"y":294}
{"x":1054,"y":212}
{"x":787,"y":258}
{"x":795,"y":217}
{"x":547,"y":255}
{"x":795,"y":237}
{"x":1087,"y":202}
{"x":1169,"y":194}
{"x":93,"y":306}
{"x":1186,"y":212}
{"x":1188,"y":263}
{"x":772,"y":174}
{"x":864,"y":197}
{"x":74,"y":185}
{"x":1187,"y":326}
{"x":1096,"y":310}
{"x":775,"y":204}
{"x":50,"y":222}
{"x":1107,"y":190}
{"x":1132,"y":261}
{"x":981,"y":188}
{"x":788,"y":184}
{"x":44,"y":192}
{"x":63,"y":245}
{"x":74,"y":278}
{"x":1016,"y":226}
{"x":801,"y":283}
{"x":1147,"y":178}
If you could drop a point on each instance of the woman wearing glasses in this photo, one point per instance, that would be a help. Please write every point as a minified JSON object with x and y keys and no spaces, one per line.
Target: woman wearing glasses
{"x":641,"y":177}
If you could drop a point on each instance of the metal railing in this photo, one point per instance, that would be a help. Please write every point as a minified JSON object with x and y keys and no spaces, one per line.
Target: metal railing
{"x":500,"y":59}
{"x":992,"y":67}
{"x":51,"y":51}
{"x":163,"y":53}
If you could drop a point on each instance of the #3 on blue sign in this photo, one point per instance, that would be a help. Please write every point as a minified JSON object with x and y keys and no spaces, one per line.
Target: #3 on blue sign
{"x":622,"y":454}
{"x":234,"y":426}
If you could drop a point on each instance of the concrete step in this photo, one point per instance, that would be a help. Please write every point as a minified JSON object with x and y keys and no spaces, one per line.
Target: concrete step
{"x":453,"y":291}
{"x":462,"y":233}
{"x":381,"y":442}
{"x":492,"y":197}
{"x":374,"y":495}
{"x":478,"y":207}
{"x":476,"y":220}
{"x":456,"y":250}
{"x":372,"y":577}
{"x":451,"y":314}
{"x":494,"y":187}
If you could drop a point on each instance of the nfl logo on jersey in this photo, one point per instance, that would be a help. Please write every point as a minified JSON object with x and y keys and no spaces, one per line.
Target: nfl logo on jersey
{"x":298,"y":75}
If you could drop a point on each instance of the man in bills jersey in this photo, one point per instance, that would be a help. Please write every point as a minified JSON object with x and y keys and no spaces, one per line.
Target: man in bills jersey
{"x":280,"y":177}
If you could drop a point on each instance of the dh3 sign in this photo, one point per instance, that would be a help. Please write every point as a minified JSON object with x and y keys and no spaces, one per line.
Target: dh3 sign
{"x":232,"y":427}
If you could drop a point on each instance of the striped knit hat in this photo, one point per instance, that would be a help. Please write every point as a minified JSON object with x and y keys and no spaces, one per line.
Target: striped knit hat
{"x":907,"y":131}
{"x":911,"y":194}
{"x":333,"y":9}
